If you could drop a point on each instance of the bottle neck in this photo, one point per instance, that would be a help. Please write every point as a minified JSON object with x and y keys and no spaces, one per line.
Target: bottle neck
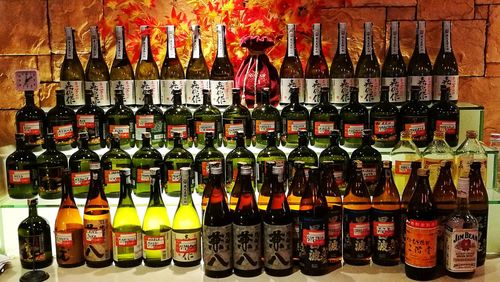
{"x":51,"y":144}
{"x":342,"y":39}
{"x":146,"y":143}
{"x":265,"y":98}
{"x":316,"y":46}
{"x":446,"y":37}
{"x":155,"y":191}
{"x":120,"y":44}
{"x":291,"y":50}
{"x":445,"y":96}
{"x":394,"y":44}
{"x":324,"y":97}
{"x":148,"y":100}
{"x":368,"y":37}
{"x":115,"y":143}
{"x":171,"y":53}
{"x":33,"y":211}
{"x":271,"y":142}
{"x":84,"y":143}
{"x":119,"y":100}
{"x":209,"y":142}
{"x":95,"y":45}
{"x":67,"y":191}
{"x":294,"y":98}
{"x":89,"y":99}
{"x":367,"y":140}
{"x":354,"y":98}
{"x":206,"y":100}
{"x":196,"y":53}
{"x":96,"y":189}
{"x":20,"y":144}
{"x":384,"y":96}
{"x":221,"y":42}
{"x":60,"y":100}
{"x":334,"y":141}
{"x":29,"y":99}
{"x":178,"y":142}
{"x":236,"y":99}
{"x":146,"y":54}
{"x":420,"y":40}
{"x":415,"y":96}
{"x":177,"y":100}
{"x":70,"y":45}
{"x":303,"y":141}
{"x":246,"y":180}
{"x":240,"y":142}
{"x":185,"y":199}
{"x":125,"y":190}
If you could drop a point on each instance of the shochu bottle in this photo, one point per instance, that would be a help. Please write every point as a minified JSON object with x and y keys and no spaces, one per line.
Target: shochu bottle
{"x":394,"y":69}
{"x":96,"y":71}
{"x":414,"y":117}
{"x":175,"y":159}
{"x":61,"y":121}
{"x":207,"y":118}
{"x":172,"y":72}
{"x":21,"y":167}
{"x":478,"y":205}
{"x":341,"y":70}
{"x":121,"y":73}
{"x":384,"y":121}
{"x":222,"y":74}
{"x":149,"y":118}
{"x":111,"y":162}
{"x":79,"y":164}
{"x":265,"y":191}
{"x":405,"y":200}
{"x":295,"y":193}
{"x":445,"y":116}
{"x":236,"y":118}
{"x":236,"y":191}
{"x":120,"y":119}
{"x":302,"y":153}
{"x":329,"y":189}
{"x":269,"y":153}
{"x":90,"y":119}
{"x":50,"y":165}
{"x":445,"y":71}
{"x":371,"y":159}
{"x":340,"y":159}
{"x":238,"y":154}
{"x":316,"y":74}
{"x":213,"y":180}
{"x":178,"y":118}
{"x":30,"y":120}
{"x":353,"y":119}
{"x":146,"y":70}
{"x":294,"y":118}
{"x":208,"y":154}
{"x":368,"y":70}
{"x":72,"y":74}
{"x":265,"y":117}
{"x":291,"y":72}
{"x":142,"y":160}
{"x":197,"y":73}
{"x":324,"y":119}
{"x":420,"y":67}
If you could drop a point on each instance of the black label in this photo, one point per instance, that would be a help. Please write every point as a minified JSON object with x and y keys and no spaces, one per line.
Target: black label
{"x":385,"y":234}
{"x":335,"y":233}
{"x":313,"y":241}
{"x":357,"y":234}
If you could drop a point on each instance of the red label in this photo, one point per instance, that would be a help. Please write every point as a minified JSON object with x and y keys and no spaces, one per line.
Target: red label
{"x":182,"y":129}
{"x":263,"y":126}
{"x":125,"y":239}
{"x":174,"y":176}
{"x":122,"y":130}
{"x":186,"y":246}
{"x":385,"y":127}
{"x":85,"y":121}
{"x":421,"y":243}
{"x":313,"y":237}
{"x":403,"y":167}
{"x":416,"y":129}
{"x":111,"y":176}
{"x":204,"y":167}
{"x":359,"y":230}
{"x":154,"y":242}
{"x":353,"y":130}
{"x":19,"y":176}
{"x":204,"y":127}
{"x":383,"y":229}
{"x":334,"y":229}
{"x":63,"y":131}
{"x":145,"y":121}
{"x":93,"y":236}
{"x":369,"y":174}
{"x":30,"y":127}
{"x":64,"y":239}
{"x":447,"y":126}
{"x":231,"y":129}
{"x":323,"y":128}
{"x":80,"y":178}
{"x":142,"y":175}
{"x":293,"y":126}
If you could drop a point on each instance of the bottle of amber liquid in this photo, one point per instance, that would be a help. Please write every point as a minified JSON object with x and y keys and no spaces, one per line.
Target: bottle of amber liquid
{"x":329,"y":189}
{"x":478,"y":205}
{"x":295,"y":192}
{"x":405,"y":200}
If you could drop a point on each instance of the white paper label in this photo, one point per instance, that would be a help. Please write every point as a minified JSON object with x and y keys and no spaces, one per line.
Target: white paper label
{"x":447,"y":36}
{"x":196,"y":42}
{"x":167,"y":86}
{"x":161,"y":243}
{"x":194,"y":88}
{"x":127,"y":240}
{"x":313,"y":89}
{"x":461,"y":249}
{"x":127,"y":86}
{"x":316,"y":39}
{"x":171,"y":41}
{"x":221,"y":47}
{"x":425,"y":84}
{"x":397,"y":88}
{"x":450,"y":81}
{"x":340,"y":90}
{"x":221,"y":92}
{"x":141,"y":85}
{"x":291,"y":40}
{"x":144,"y":47}
{"x":73,"y":95}
{"x":94,"y":43}
{"x":288,"y":83}
{"x":69,"y":43}
{"x":100,"y":90}
{"x":187,"y":246}
{"x":342,"y":39}
{"x":369,"y":90}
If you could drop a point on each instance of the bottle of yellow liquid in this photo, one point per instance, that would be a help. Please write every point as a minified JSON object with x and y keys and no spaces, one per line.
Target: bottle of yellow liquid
{"x":402,"y":155}
{"x":470,"y":151}
{"x":437,"y":151}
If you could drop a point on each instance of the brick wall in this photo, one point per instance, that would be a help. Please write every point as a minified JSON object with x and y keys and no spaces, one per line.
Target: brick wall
{"x":32,"y":37}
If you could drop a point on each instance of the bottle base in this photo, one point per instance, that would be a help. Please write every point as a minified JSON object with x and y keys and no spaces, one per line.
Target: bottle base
{"x":71,"y":265}
{"x":218,"y":274}
{"x":128,"y":263}
{"x":364,"y":261}
{"x":380,"y":262}
{"x":460,"y":275}
{"x":99,"y":264}
{"x":420,"y":274}
{"x":186,"y":264}
{"x":278,"y":273}
{"x":248,"y":273}
{"x":38,"y":265}
{"x":157,"y":263}
{"x":314,"y":272}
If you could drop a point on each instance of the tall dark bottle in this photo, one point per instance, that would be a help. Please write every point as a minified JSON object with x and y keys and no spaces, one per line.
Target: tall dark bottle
{"x":90,"y":119}
{"x":208,"y":154}
{"x":207,"y":118}
{"x":340,"y":158}
{"x":353,"y":120}
{"x":72,"y":75}
{"x":394,"y":68}
{"x":331,"y":192}
{"x":420,"y":67}
{"x":149,"y":118}
{"x":172,"y":72}
{"x":294,"y":118}
{"x":265,"y":117}
{"x":414,"y":117}
{"x":291,"y":71}
{"x":317,"y":75}
{"x":197,"y":72}
{"x":79,"y":165}
{"x":236,"y":118}
{"x":445,"y":116}
{"x":30,"y":120}
{"x":295,"y":193}
{"x":341,"y":70}
{"x":368,"y":70}
{"x":445,"y":71}
{"x":50,"y":165}
{"x":22,"y":174}
{"x":178,"y":118}
{"x":421,"y":231}
{"x":96,"y":71}
{"x":324,"y":119}
{"x":301,"y":153}
{"x":384,"y":121}
{"x":405,"y":201}
{"x":120,"y":119}
{"x":265,"y":189}
{"x":146,"y":70}
{"x":61,"y":121}
{"x":478,"y":205}
{"x":121,"y":73}
{"x":371,"y":159}
{"x":222,"y":73}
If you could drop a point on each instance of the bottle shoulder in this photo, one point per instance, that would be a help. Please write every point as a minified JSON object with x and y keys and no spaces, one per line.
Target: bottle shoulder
{"x":147,"y":153}
{"x":54,"y":157}
{"x":83,"y":154}
{"x":58,"y":112}
{"x":21,"y":156}
{"x":115,"y":153}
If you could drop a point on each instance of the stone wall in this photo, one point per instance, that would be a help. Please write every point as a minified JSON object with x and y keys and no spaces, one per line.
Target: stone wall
{"x":32,"y":37}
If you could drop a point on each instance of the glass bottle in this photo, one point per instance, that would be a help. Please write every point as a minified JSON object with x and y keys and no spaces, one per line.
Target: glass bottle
{"x":405,"y":200}
{"x":265,"y":191}
{"x":79,"y":165}
{"x":121,"y":73}
{"x":437,"y":151}
{"x":172,"y":72}
{"x":329,"y":189}
{"x":90,"y":119}
{"x":238,"y":154}
{"x":270,"y":153}
{"x":149,"y":118}
{"x":445,"y":116}
{"x":31,"y":120}
{"x":21,"y":168}
{"x":324,"y":118}
{"x":236,"y":118}
{"x":402,"y":155}
{"x":61,"y":121}
{"x":96,"y":71}
{"x":371,"y":160}
{"x":316,"y":74}
{"x":495,"y":144}
{"x":208,"y":154}
{"x":414,"y":117}
{"x":178,"y":118}
{"x":295,"y":193}
{"x":340,"y":159}
{"x":146,"y":70}
{"x":394,"y":68}
{"x":235,"y":193}
{"x":420,"y":67}
{"x":111,"y":162}
{"x":294,"y":118}
{"x":222,"y":73}
{"x":265,"y":117}
{"x":353,"y":119}
{"x":121,"y":119}
{"x":368,"y":70}
{"x":478,"y":205}
{"x":207,"y":118}
{"x":175,"y":159}
{"x":445,"y":70}
{"x":197,"y":72}
{"x":291,"y":71}
{"x":50,"y":165}
{"x":341,"y":70}
{"x":384,"y":120}
{"x":471,"y":150}
{"x":301,"y":153}
{"x":142,"y":160}
{"x":213,"y":180}
{"x":72,"y":74}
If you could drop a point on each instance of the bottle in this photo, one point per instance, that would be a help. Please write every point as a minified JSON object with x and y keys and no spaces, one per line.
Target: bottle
{"x":437,"y":151}
{"x":270,"y":153}
{"x":72,"y":74}
{"x":341,"y":70}
{"x":294,"y":118}
{"x":265,"y":118}
{"x":371,"y":160}
{"x":21,"y":168}
{"x":156,"y":229}
{"x":329,"y":189}
{"x":35,"y":248}
{"x":121,"y":73}
{"x":96,"y":71}
{"x":316,"y":75}
{"x":301,"y":153}
{"x":265,"y":190}
{"x":186,"y":229}
{"x":217,"y":230}
{"x":402,"y":155}
{"x":30,"y":120}
{"x":324,"y":119}
{"x":149,"y":118}
{"x":142,"y":160}
{"x":384,"y":121}
{"x":175,"y":159}
{"x":247,"y":228}
{"x":313,"y":227}
{"x":222,"y":74}
{"x":172,"y":72}
{"x":357,"y":246}
{"x":68,"y":228}
{"x":127,"y":232}
{"x":238,"y":154}
{"x":394,"y":69}
{"x":353,"y":120}
{"x":214,"y":177}
{"x":111,"y":162}
{"x":79,"y":165}
{"x":236,"y":191}
{"x":207,"y":118}
{"x":197,"y":73}
{"x":420,"y":67}
{"x":295,"y":193}
{"x":178,"y":118}
{"x":97,"y":230}
{"x":120,"y":119}
{"x":445,"y":116}
{"x":445,"y":71}
{"x":495,"y":144}
{"x":414,"y":117}
{"x":146,"y":70}
{"x":236,"y":118}
{"x":50,"y":165}
{"x":421,"y":231}
{"x":340,"y":158}
{"x":291,"y":71}
{"x":368,"y":70}
{"x":478,"y":205}
{"x":405,"y":200}
{"x":91,"y":120}
{"x":471,"y":150}
{"x":61,"y":121}
{"x":386,"y":219}
{"x":208,"y":154}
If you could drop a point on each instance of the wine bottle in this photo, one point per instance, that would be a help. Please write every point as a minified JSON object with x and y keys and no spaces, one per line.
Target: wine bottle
{"x":197,"y":73}
{"x":386,"y":219}
{"x":96,"y":71}
{"x":265,"y":118}
{"x":445,"y":71}
{"x":324,"y":119}
{"x":222,"y":74}
{"x":478,"y":205}
{"x":341,"y":70}
{"x":236,"y":190}
{"x":402,"y":155}
{"x":368,"y":70}
{"x":111,"y":162}
{"x":371,"y":160}
{"x":414,"y":117}
{"x":471,"y":150}
{"x":156,"y":229}
{"x":178,"y":118}
{"x":149,"y":118}
{"x":127,"y":232}
{"x":384,"y":121}
{"x":394,"y":69}
{"x":90,"y":119}
{"x":294,"y":118}
{"x":121,"y":73}
{"x":207,"y":118}
{"x":445,"y":116}
{"x":97,"y":230}
{"x":175,"y":159}
{"x":302,"y":153}
{"x":172,"y":72}
{"x":238,"y":154}
{"x":340,"y":158}
{"x":72,"y":74}
{"x":146,"y":71}
{"x":68,"y":228}
{"x":270,"y":153}
{"x":79,"y":165}
{"x":316,"y":75}
{"x":208,"y":154}
{"x":437,"y":151}
{"x":50,"y":165}
{"x":120,"y":119}
{"x":291,"y":72}
{"x":236,"y":118}
{"x":265,"y":190}
{"x":420,"y":67}
{"x":331,"y":192}
{"x":21,"y":168}
{"x":30,"y":120}
{"x":142,"y":160}
{"x":186,"y":229}
{"x":405,"y":200}
{"x":61,"y":121}
{"x":353,"y":120}
{"x":35,"y":248}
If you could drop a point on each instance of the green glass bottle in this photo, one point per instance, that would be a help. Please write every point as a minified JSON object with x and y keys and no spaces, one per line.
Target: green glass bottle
{"x":341,"y":70}
{"x":96,"y":71}
{"x":394,"y":69}
{"x":368,"y":70}
{"x":445,"y":116}
{"x":120,"y":119}
{"x":324,"y":119}
{"x":414,"y":117}
{"x":238,"y":154}
{"x":50,"y":166}
{"x":316,"y":74}
{"x":270,"y":153}
{"x":90,"y":119}
{"x":294,"y":118}
{"x":21,"y":168}
{"x":72,"y":75}
{"x":31,"y":121}
{"x":61,"y":121}
{"x":340,"y":158}
{"x":79,"y":164}
{"x":265,"y":117}
{"x":149,"y":118}
{"x":178,"y":118}
{"x":371,"y":161}
{"x":420,"y":66}
{"x":121,"y":73}
{"x":236,"y":118}
{"x":353,"y":119}
{"x":142,"y":160}
{"x":291,"y":71}
{"x":222,"y":73}
{"x":197,"y":72}
{"x":207,"y":118}
{"x":445,"y":70}
{"x":175,"y":159}
{"x":146,"y":70}
{"x":301,"y":153}
{"x":208,"y":154}
{"x":384,"y":121}
{"x":172,"y":72}
{"x":111,"y":162}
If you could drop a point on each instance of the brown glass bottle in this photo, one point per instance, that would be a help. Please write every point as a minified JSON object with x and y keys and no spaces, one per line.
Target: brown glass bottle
{"x":295,"y":192}
{"x":265,"y":190}
{"x":330,"y":190}
{"x":478,"y":206}
{"x":405,"y":200}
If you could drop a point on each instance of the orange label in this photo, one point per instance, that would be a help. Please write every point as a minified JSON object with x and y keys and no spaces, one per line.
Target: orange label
{"x":182,"y":129}
{"x":323,"y":128}
{"x":204,"y":127}
{"x":416,"y":129}
{"x":353,"y":130}
{"x":421,"y":243}
{"x":19,"y":176}
{"x":204,"y":167}
{"x":293,"y":126}
{"x":142,"y":175}
{"x":63,"y":131}
{"x":448,"y":126}
{"x":403,"y":167}
{"x":145,"y":121}
{"x":80,"y":178}
{"x":122,"y":130}
{"x":30,"y":127}
{"x":231,"y":129}
{"x":186,"y":246}
{"x":263,"y":126}
{"x":174,"y":176}
{"x":385,"y":127}
{"x":85,"y":121}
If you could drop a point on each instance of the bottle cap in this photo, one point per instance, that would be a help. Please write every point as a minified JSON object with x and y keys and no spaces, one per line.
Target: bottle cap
{"x":125,"y":171}
{"x":246,"y":170}
{"x":423,"y":172}
{"x":153,"y":171}
{"x":33,"y":202}
{"x":386,"y":164}
{"x":216,"y":169}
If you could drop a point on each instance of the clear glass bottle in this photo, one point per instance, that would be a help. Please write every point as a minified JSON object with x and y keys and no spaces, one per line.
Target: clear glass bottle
{"x":470,"y":151}
{"x":402,"y":155}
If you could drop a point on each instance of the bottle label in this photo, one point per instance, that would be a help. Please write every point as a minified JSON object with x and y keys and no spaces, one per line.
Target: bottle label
{"x":120,"y":44}
{"x":64,"y":239}
{"x":357,"y":235}
{"x":174,"y":176}
{"x":145,"y":121}
{"x":369,"y":90}
{"x":194,"y":88}
{"x":96,"y":239}
{"x":100,"y":91}
{"x":203,"y":127}
{"x":447,"y":126}
{"x":187,"y":245}
{"x":397,"y":88}
{"x":313,"y":89}
{"x":167,"y":86}
{"x":342,"y":39}
{"x":313,"y":248}
{"x":288,"y":83}
{"x":460,"y":249}
{"x":80,"y":179}
{"x":359,"y":230}
{"x":73,"y":92}
{"x":293,"y":126}
{"x":160,"y":243}
{"x":63,"y":132}
{"x":316,"y":39}
{"x":231,"y":129}
{"x":151,"y":84}
{"x":447,"y":36}
{"x":340,"y":90}
{"x":421,"y":243}
{"x":323,"y":128}
{"x":368,"y":38}
{"x":144,"y":45}
{"x":291,"y":40}
{"x":50,"y":179}
{"x":416,"y":129}
{"x":127,"y":86}
{"x":34,"y":248}
{"x":246,"y":246}
{"x":204,"y":167}
{"x":111,"y":176}
{"x":182,"y":129}
{"x":450,"y":81}
{"x":30,"y":127}
{"x":278,"y":246}
{"x":196,"y":45}
{"x":69,"y":43}
{"x":221,"y":44}
{"x":385,"y":234}
{"x":482,"y":223}
{"x":85,"y":121}
{"x":19,"y":176}
{"x":402,"y":167}
{"x":143,"y":175}
{"x":425,"y":84}
{"x":421,"y":37}
{"x":263,"y":126}
{"x":122,"y":241}
{"x":221,"y":92}
{"x":335,"y":233}
{"x":353,"y":130}
{"x":94,"y":43}
{"x":384,"y":127}
{"x":394,"y":38}
{"x":122,"y":130}
{"x":370,"y":173}
{"x":217,"y":247}
{"x":339,"y":175}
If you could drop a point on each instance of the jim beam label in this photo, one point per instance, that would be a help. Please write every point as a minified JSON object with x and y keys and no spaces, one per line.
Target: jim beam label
{"x":194,"y":88}
{"x":425,"y":84}
{"x":171,"y":42}
{"x":288,"y":83}
{"x":460,"y":249}
{"x":221,"y":92}
{"x":97,"y":239}
{"x":125,"y":241}
{"x":278,"y":246}
{"x":340,"y":90}
{"x":368,"y":39}
{"x":157,"y":243}
{"x":100,"y":91}
{"x":397,"y":88}
{"x":247,"y":246}
{"x":186,"y":245}
{"x":394,"y":38}
{"x":313,"y":89}
{"x":217,"y":247}
{"x":167,"y":87}
{"x":144,"y":85}
{"x":357,"y":234}
{"x":128,"y":88}
{"x":369,"y":90}
{"x":73,"y":92}
{"x":449,"y":81}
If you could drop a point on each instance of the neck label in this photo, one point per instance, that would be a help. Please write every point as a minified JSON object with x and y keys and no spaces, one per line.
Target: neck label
{"x":447,"y":36}
{"x":291,"y":40}
{"x":221,"y":44}
{"x":69,"y":43}
{"x":421,"y":37}
{"x":171,"y":41}
{"x":120,"y":44}
{"x":196,"y":42}
{"x":94,"y":48}
{"x":394,"y":38}
{"x":342,"y":39}
{"x":316,"y":39}
{"x":144,"y":44}
{"x":368,"y":38}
